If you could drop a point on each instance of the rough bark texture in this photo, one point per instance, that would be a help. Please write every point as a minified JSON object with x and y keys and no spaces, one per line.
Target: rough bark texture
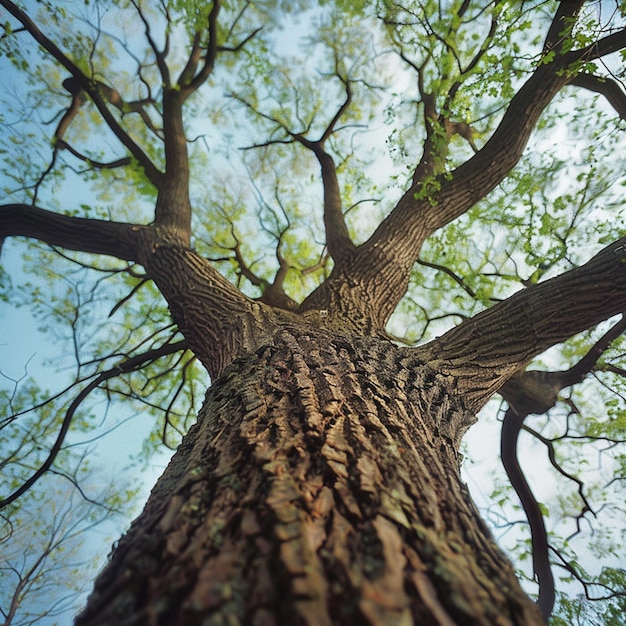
{"x":320,"y":486}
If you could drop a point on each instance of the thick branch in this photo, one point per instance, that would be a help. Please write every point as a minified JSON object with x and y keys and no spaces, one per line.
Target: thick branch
{"x":607,"y":45}
{"x":116,"y":239}
{"x":338,"y":240}
{"x":188,"y":72}
{"x":605,"y":86}
{"x":212,"y":49}
{"x":539,"y":537}
{"x":427,"y":207}
{"x":485,"y":351}
{"x":421,"y":210}
{"x":217,"y":320}
{"x":173,"y":207}
{"x":534,"y":391}
{"x":537,"y":392}
{"x":562,"y":23}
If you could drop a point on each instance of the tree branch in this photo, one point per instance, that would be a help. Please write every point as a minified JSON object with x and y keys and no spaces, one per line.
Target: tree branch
{"x":212,"y":49}
{"x":338,"y":240}
{"x":607,"y":45}
{"x":534,"y":391}
{"x":537,"y":392}
{"x":113,"y":97}
{"x":562,"y":23}
{"x":173,"y":206}
{"x":538,"y":535}
{"x":605,"y":86}
{"x":188,"y":72}
{"x":431,"y":204}
{"x":159,"y":55}
{"x":219,"y":322}
{"x":128,"y":365}
{"x":89,"y":86}
{"x":116,"y":239}
{"x":100,"y":165}
{"x":455,"y":277}
{"x":485,"y":351}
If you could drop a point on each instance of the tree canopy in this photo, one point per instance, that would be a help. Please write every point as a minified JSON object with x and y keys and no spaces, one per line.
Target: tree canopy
{"x":396,"y":169}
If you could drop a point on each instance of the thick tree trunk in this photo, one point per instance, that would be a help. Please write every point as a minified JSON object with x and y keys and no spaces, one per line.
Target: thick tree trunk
{"x":319,"y":486}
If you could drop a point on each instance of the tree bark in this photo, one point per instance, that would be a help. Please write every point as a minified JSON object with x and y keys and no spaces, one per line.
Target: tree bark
{"x":319,"y":486}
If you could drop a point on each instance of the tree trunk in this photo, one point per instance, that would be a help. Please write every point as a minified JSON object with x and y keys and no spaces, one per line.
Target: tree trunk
{"x":320,"y":486}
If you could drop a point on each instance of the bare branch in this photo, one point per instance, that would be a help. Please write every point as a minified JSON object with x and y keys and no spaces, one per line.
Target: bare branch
{"x":539,"y":537}
{"x":116,"y":239}
{"x":342,"y":109}
{"x":127,"y":297}
{"x":580,"y":485}
{"x":608,"y":87}
{"x":485,"y":351}
{"x":338,"y":240}
{"x":159,"y":55}
{"x":242,"y":43}
{"x":100,"y":165}
{"x":455,"y":277}
{"x":572,"y":568}
{"x":128,"y":365}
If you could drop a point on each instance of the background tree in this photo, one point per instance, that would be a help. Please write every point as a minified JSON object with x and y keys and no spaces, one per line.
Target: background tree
{"x":321,"y":482}
{"x":45,"y":562}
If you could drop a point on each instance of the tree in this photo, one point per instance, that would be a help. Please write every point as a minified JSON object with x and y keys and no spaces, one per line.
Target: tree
{"x":44,"y":559}
{"x":321,"y":482}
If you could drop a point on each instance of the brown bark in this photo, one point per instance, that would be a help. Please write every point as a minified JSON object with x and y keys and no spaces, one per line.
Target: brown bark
{"x":173,"y":207}
{"x":485,"y":351}
{"x":320,"y":486}
{"x":218,"y":321}
{"x":116,"y":239}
